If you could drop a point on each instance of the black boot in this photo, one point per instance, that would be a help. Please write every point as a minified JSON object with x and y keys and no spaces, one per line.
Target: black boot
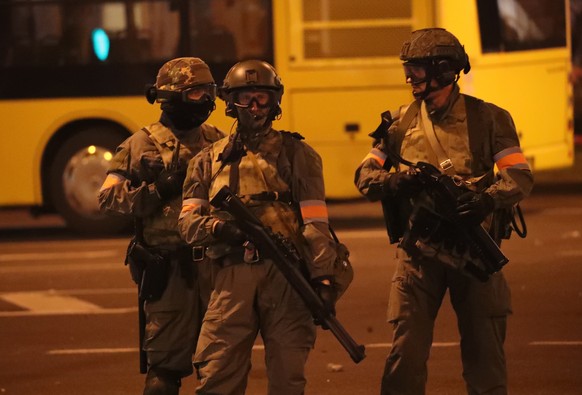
{"x":160,"y":382}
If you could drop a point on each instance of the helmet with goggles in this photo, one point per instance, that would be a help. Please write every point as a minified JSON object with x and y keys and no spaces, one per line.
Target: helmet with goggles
{"x":183,"y":79}
{"x":437,"y":52}
{"x":252,"y":81}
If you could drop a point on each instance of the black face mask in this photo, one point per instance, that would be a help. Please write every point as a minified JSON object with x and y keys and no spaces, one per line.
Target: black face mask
{"x":185,"y":116}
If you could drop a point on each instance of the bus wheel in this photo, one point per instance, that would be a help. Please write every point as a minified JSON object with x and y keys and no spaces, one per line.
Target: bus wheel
{"x":76,"y":176}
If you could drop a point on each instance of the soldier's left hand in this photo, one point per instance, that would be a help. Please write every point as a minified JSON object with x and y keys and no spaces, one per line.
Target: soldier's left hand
{"x":328,"y":294}
{"x":475,"y":207}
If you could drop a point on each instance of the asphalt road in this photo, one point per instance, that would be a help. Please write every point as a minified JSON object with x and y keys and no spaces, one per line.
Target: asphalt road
{"x":68,"y":322}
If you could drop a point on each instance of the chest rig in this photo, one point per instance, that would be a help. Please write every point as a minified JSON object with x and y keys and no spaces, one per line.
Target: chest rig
{"x":262,"y":179}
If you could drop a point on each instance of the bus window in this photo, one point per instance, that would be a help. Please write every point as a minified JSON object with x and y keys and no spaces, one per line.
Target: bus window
{"x":345,"y":29}
{"x":72,"y":77}
{"x":519,"y":25}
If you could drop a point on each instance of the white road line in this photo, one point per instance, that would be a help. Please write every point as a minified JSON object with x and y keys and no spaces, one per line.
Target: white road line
{"x":435,"y":344}
{"x":570,"y":253}
{"x":57,"y":256}
{"x":76,"y":351}
{"x":52,"y":302}
{"x":28,"y":313}
{"x":62,"y":268}
{"x":362,"y":234}
{"x":48,"y":301}
{"x":556,"y":343}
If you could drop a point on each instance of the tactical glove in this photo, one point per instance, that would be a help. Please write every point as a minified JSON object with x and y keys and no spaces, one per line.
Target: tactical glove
{"x":404,"y":182}
{"x":326,"y":292}
{"x":228,"y":232}
{"x":475,"y":207}
{"x":169,"y":183}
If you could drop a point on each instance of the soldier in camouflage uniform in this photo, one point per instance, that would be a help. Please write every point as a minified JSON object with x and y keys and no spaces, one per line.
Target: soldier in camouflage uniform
{"x":280,"y":179}
{"x":475,"y":136}
{"x":145,"y":181}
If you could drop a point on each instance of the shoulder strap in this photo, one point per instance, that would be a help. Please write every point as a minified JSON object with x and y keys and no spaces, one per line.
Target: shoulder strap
{"x":289,"y":143}
{"x":445,"y":163}
{"x":166,"y":146}
{"x":395,"y":138}
{"x":407,"y":118}
{"x":475,"y":123}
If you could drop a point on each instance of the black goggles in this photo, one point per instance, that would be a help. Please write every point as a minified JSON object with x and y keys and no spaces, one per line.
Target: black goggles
{"x":262,"y":98}
{"x":196,"y":94}
{"x":415,"y":73}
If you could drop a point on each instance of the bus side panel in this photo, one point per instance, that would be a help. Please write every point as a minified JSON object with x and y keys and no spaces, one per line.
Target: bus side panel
{"x":21,"y":151}
{"x":29,"y":130}
{"x":337,"y":126}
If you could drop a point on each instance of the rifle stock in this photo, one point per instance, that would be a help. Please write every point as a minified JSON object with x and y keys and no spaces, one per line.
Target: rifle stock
{"x":289,"y":262}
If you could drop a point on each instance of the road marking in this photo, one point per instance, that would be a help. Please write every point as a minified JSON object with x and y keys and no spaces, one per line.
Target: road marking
{"x":77,"y":351}
{"x":27,"y":313}
{"x":362,"y":234}
{"x":556,"y":343}
{"x":48,"y":301}
{"x":435,"y":344}
{"x":256,"y":347}
{"x":571,"y":253}
{"x":51,"y":302}
{"x":61,"y":268}
{"x":58,"y":256}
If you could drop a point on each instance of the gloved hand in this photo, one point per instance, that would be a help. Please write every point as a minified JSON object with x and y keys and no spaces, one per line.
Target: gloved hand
{"x":228,"y":232}
{"x":475,"y":207}
{"x":324,"y":287}
{"x":404,"y":182}
{"x":169,"y":183}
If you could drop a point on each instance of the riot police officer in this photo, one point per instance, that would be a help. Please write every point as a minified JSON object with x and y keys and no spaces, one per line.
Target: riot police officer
{"x":145,"y":181}
{"x":464,"y":138}
{"x":280,"y":179}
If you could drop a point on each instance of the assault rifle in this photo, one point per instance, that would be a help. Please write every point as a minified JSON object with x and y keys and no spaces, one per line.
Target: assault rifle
{"x":444,"y":192}
{"x":289,"y":262}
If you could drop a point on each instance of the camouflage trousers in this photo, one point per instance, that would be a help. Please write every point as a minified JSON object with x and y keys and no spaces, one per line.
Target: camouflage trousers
{"x":252,"y":298}
{"x":418,"y":288}
{"x":173,"y":322}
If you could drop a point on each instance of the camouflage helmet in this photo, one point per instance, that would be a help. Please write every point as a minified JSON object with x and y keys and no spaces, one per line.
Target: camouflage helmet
{"x":180,"y":74}
{"x":433,"y":44}
{"x":251,"y":74}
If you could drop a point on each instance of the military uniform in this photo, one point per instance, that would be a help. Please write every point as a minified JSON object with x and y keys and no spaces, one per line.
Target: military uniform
{"x":420,"y":281}
{"x":251,"y":295}
{"x":174,"y":320}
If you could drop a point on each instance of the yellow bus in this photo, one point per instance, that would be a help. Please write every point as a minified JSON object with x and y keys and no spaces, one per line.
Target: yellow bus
{"x":72,"y":74}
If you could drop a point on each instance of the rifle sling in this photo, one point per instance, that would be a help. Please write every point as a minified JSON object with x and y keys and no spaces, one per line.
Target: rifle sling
{"x":445,"y":163}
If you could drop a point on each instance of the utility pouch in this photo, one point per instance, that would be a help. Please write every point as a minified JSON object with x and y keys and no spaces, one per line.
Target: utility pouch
{"x":343,"y":272}
{"x":152,"y":271}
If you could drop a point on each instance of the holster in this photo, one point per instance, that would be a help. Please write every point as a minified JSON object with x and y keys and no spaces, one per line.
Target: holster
{"x":393,"y":218}
{"x":149,"y":270}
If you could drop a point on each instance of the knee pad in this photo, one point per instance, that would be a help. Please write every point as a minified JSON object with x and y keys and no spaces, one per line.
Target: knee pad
{"x":162,"y":382}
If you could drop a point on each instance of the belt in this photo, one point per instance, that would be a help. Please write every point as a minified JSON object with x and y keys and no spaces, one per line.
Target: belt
{"x":247,"y":254}
{"x":172,"y":252}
